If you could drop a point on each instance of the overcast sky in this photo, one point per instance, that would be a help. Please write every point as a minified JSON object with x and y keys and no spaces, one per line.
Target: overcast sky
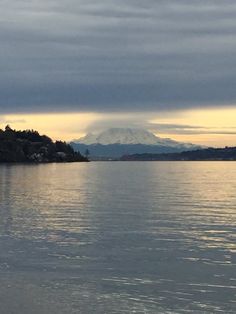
{"x":164,"y":65}
{"x":126,"y":55}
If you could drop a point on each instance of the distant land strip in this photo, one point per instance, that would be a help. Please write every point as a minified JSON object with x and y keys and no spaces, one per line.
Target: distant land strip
{"x":211,"y":154}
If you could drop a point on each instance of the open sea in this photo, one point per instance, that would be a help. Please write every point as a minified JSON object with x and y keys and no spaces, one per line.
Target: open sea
{"x":118,"y":237}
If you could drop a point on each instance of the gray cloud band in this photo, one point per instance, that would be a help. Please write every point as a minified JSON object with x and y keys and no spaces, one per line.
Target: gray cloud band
{"x":116,"y":55}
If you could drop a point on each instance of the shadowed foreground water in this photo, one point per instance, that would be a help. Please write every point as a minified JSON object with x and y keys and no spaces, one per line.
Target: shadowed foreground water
{"x":130,"y":237}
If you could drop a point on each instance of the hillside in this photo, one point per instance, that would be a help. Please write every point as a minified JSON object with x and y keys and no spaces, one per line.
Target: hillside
{"x":30,"y":146}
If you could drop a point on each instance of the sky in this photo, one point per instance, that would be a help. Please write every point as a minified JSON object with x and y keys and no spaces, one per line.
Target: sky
{"x":70,"y":67}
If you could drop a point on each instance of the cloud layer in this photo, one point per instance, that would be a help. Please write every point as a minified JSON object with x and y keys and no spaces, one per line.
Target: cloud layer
{"x":126,"y":55}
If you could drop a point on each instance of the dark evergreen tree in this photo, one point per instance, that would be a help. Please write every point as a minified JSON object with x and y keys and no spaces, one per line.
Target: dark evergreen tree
{"x":30,"y":146}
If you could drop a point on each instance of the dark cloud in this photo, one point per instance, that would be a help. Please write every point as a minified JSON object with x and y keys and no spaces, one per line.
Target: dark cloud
{"x":166,"y":128}
{"x":114,"y":55}
{"x":140,"y":120}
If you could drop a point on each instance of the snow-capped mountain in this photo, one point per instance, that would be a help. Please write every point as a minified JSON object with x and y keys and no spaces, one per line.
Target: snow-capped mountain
{"x":116,"y":142}
{"x":127,"y":136}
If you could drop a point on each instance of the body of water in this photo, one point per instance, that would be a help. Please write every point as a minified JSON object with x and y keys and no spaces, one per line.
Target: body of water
{"x":118,"y":237}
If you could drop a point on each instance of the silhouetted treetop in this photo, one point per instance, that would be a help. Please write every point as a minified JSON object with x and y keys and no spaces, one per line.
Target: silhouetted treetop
{"x":30,"y":146}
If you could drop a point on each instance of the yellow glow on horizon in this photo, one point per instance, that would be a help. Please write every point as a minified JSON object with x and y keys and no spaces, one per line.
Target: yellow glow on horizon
{"x":216,"y":117}
{"x":59,"y":126}
{"x":212,"y":123}
{"x":211,"y":120}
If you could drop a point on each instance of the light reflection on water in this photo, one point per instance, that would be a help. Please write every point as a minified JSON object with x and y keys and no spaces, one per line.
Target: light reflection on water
{"x":151,"y":237}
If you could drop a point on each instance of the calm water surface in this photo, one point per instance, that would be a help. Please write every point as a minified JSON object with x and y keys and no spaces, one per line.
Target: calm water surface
{"x":111,"y":237}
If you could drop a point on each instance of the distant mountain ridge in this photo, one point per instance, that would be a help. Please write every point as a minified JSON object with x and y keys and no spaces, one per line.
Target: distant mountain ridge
{"x":116,"y":142}
{"x":127,"y":136}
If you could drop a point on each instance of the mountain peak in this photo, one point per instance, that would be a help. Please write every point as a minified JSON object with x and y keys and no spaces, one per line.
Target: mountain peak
{"x":125,"y":136}
{"x":116,"y":142}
